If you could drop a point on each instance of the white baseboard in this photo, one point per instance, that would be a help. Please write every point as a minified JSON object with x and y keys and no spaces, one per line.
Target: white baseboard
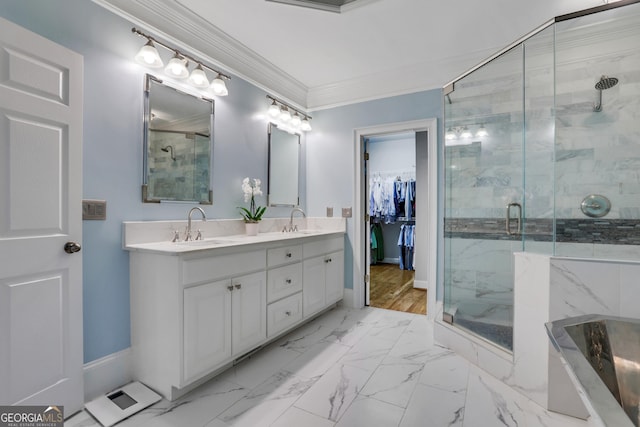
{"x":391,"y":261}
{"x":420,"y":284}
{"x":106,"y":374}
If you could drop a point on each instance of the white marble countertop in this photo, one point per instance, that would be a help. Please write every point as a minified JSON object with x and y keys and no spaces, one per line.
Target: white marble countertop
{"x":155,"y":236}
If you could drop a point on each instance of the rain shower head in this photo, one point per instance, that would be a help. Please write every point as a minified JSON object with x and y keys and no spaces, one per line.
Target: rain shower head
{"x":606,"y":83}
{"x":603,"y":84}
{"x":169,"y":148}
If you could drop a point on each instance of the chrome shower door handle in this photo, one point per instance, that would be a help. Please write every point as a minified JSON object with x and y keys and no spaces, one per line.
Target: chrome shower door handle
{"x":508,"y":219}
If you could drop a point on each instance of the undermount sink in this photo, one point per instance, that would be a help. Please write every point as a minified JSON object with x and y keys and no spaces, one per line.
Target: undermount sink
{"x":602,"y":356}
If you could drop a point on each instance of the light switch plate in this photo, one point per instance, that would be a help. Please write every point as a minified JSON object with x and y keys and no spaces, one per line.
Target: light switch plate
{"x":329,"y":212}
{"x":94,"y":209}
{"x":346,"y":212}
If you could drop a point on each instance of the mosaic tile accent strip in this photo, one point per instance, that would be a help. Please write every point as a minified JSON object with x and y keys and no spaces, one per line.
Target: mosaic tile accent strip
{"x":601,"y":231}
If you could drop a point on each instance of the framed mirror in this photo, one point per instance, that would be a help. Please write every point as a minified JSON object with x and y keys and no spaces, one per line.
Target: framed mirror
{"x":178,"y":143}
{"x":284,"y":163}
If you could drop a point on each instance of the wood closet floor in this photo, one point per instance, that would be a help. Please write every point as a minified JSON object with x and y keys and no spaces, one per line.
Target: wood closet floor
{"x":392,"y":288}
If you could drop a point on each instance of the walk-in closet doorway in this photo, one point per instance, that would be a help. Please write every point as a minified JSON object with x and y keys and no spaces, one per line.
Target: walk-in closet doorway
{"x":390,"y":169}
{"x":426,"y":221}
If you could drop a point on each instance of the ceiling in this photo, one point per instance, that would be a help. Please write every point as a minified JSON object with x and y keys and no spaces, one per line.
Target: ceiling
{"x":372,"y":49}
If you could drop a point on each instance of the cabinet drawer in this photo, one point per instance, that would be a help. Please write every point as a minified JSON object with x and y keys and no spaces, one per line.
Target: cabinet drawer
{"x":322,"y":247}
{"x":284,"y":255}
{"x":283,"y":314}
{"x":221,"y":266}
{"x":284,"y":281}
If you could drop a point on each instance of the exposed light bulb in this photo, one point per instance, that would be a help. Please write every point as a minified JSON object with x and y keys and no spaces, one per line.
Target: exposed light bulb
{"x":305,"y":125}
{"x":285,"y":115}
{"x":296,"y":120}
{"x":177,"y":68}
{"x":465,"y":133}
{"x":148,"y":56}
{"x":482,"y":132}
{"x":198,"y":77}
{"x":450,"y":135}
{"x":274,"y":110}
{"x":219,"y":87}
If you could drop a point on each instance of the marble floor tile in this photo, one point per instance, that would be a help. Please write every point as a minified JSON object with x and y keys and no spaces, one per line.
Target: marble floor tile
{"x":332,"y":394}
{"x":254,"y":370}
{"x":368,"y":353}
{"x":265,"y":404}
{"x":298,"y":417}
{"x":394,"y":382}
{"x":445,"y":370}
{"x":350,"y":368}
{"x":439,"y":407}
{"x":317,"y":360}
{"x":490,"y":403}
{"x":369,"y":412}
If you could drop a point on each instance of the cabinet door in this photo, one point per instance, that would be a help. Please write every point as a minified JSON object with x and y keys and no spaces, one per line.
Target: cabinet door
{"x":334,"y":277}
{"x":207,"y":328}
{"x":249,"y":324}
{"x":313,"y":285}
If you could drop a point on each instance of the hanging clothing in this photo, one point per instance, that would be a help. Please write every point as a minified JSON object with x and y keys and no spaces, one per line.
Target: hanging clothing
{"x":390,"y":198}
{"x":406,"y":243}
{"x":377,"y":244}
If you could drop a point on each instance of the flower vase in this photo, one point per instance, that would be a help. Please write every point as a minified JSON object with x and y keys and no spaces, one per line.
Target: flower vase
{"x":251,"y":228}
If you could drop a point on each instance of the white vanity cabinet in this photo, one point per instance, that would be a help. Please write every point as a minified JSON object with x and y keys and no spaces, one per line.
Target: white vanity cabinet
{"x":323,"y":274}
{"x":284,"y":288}
{"x":194,"y":312}
{"x":222,"y":319}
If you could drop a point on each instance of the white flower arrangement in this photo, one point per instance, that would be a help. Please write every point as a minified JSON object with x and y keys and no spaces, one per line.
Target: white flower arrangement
{"x":251,"y":189}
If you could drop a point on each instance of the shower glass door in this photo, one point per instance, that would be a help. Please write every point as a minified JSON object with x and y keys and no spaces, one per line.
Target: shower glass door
{"x":484,"y":196}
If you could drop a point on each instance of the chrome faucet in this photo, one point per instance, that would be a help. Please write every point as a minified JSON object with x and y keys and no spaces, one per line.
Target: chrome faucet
{"x":291,"y":226}
{"x":187,"y":236}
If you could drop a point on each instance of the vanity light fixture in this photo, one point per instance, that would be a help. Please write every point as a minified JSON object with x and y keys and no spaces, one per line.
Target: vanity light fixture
{"x":198,"y":78}
{"x":218,"y":86}
{"x":178,"y":66}
{"x":463,"y":132}
{"x":148,"y":56}
{"x":279,"y":113}
{"x":285,"y":115}
{"x":274,"y":110}
{"x":305,"y":125}
{"x":482,"y":132}
{"x":450,"y":134}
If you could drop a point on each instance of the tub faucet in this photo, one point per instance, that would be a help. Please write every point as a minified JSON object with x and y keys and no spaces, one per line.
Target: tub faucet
{"x":291,"y":226}
{"x":187,"y":236}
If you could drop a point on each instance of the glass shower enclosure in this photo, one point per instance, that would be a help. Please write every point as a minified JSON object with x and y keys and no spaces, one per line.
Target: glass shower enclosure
{"x":542,"y":154}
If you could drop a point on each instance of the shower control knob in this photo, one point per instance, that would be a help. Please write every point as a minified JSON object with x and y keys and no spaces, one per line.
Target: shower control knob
{"x":72,"y":247}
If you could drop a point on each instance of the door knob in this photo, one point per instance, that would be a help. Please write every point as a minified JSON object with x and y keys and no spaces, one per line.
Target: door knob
{"x":72,"y":247}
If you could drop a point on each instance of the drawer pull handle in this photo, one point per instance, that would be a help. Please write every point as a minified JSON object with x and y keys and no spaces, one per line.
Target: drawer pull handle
{"x":288,"y":281}
{"x":288,"y":255}
{"x":328,"y":260}
{"x":288,"y":313}
{"x":230,"y":287}
{"x":238,"y":286}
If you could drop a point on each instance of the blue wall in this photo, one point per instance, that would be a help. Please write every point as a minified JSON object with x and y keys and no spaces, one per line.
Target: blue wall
{"x":331,"y":153}
{"x":112,"y":157}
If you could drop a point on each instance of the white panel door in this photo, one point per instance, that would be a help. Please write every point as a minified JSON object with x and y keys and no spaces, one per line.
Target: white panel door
{"x":40,"y":211}
{"x":249,"y":324}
